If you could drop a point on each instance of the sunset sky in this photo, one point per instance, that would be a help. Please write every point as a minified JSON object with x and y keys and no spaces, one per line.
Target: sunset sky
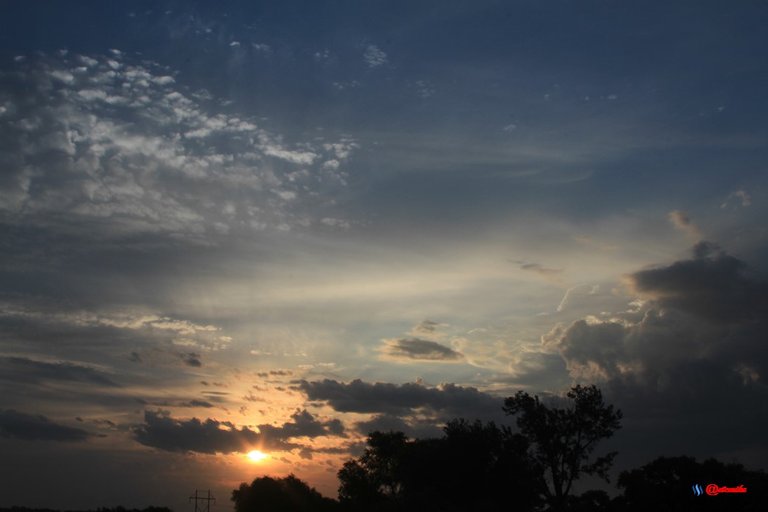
{"x":281,"y":225}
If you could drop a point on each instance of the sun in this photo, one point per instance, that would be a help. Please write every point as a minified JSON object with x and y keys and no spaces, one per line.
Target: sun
{"x":257,"y":456}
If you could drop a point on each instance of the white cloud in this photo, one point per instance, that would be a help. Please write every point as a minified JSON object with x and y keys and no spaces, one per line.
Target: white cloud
{"x":296,"y":157}
{"x":64,"y":76}
{"x":739,"y":198}
{"x":374,"y":56}
{"x":164,"y":161}
{"x":683,"y":222}
{"x":261,"y":47}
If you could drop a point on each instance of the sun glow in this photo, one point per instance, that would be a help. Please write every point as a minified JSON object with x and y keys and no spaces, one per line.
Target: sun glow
{"x":256,"y":456}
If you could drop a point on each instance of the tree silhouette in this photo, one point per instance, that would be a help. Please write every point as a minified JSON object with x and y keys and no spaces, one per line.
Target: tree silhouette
{"x":374,"y":481}
{"x":474,"y":466}
{"x":564,"y":439}
{"x":288,"y":494}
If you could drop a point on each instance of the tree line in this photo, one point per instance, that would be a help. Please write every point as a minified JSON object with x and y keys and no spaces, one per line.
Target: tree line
{"x":485,"y":467}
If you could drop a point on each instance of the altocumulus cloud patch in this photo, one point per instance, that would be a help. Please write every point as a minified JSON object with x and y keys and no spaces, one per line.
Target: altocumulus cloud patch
{"x":121,"y":147}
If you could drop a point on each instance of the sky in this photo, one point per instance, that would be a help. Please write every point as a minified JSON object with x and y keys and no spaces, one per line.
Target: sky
{"x":279,"y":226}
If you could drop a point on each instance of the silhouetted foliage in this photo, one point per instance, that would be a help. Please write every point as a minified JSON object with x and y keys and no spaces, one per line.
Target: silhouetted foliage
{"x":375,"y":480}
{"x":288,"y":494}
{"x":590,"y":501}
{"x":474,"y":466}
{"x":563,"y":439}
{"x":667,"y":484}
{"x":482,"y":467}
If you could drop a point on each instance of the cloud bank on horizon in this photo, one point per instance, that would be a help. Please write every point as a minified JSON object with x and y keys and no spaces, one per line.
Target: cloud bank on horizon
{"x":238,"y":229}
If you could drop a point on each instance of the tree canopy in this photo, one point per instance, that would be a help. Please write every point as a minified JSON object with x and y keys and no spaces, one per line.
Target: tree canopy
{"x":474,"y":466}
{"x":288,"y":494}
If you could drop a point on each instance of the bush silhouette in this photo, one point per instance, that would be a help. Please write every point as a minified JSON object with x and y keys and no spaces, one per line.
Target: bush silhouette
{"x":288,"y":494}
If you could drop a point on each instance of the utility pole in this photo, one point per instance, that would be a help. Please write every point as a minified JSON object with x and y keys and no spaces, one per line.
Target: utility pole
{"x":208,"y":498}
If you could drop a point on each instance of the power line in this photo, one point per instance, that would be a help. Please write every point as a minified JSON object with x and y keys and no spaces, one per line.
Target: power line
{"x":208,"y":498}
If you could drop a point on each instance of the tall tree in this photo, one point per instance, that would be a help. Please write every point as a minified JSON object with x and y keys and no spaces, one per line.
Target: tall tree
{"x":563,"y":439}
{"x":376,"y":477}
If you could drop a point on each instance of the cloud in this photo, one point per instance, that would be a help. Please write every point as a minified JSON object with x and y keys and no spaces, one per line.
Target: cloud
{"x":275,"y":373}
{"x":411,"y":427}
{"x":689,"y":357}
{"x":712,"y":285}
{"x":739,"y":198}
{"x":303,"y":424}
{"x":681,"y":221}
{"x":210,"y":436}
{"x":184,"y":403}
{"x":539,"y":269}
{"x":415,"y":349}
{"x":708,"y":307}
{"x":191,"y":359}
{"x":153,"y":337}
{"x":449,"y":400}
{"x":374,"y":56}
{"x":426,"y":327}
{"x":567,"y":296}
{"x":296,"y":157}
{"x":161,"y":431}
{"x":22,"y":369}
{"x":197,"y":403}
{"x":110,"y":146}
{"x":29,"y":427}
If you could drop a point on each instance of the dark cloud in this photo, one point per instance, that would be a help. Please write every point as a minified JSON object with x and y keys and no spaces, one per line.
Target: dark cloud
{"x":539,"y":269}
{"x":30,"y":427}
{"x":712,"y":285}
{"x":160,"y":430}
{"x":416,"y":349}
{"x":176,"y":403}
{"x":104,"y":423}
{"x":275,"y":373}
{"x":191,"y":359}
{"x":303,"y":424}
{"x":388,"y":422}
{"x":21,"y":369}
{"x":448,"y":400}
{"x":210,"y":436}
{"x":708,"y":308}
{"x":426,"y":327}
{"x":693,"y":359}
{"x":250,"y":397}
